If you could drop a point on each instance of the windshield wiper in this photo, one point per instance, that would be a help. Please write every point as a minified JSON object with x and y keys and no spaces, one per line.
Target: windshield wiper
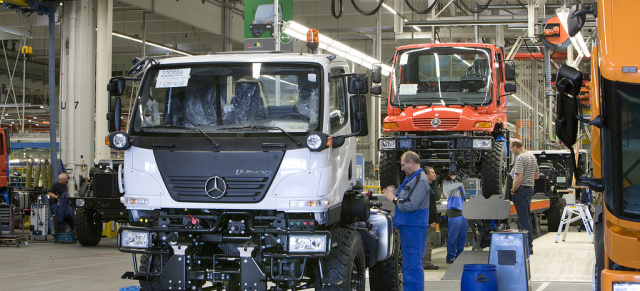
{"x":266,"y":128}
{"x":463,"y":102}
{"x":215,"y":143}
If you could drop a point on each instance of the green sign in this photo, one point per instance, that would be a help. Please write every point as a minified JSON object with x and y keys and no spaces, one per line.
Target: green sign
{"x":285,"y":38}
{"x":258,"y":17}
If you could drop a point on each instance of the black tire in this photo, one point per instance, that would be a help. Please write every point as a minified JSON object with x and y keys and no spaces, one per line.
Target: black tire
{"x":493,"y":169}
{"x":153,"y":267}
{"x":256,"y":33}
{"x":507,"y":188}
{"x":88,"y":230}
{"x":344,"y":267}
{"x":554,"y":214}
{"x":387,"y":275}
{"x":390,"y":173}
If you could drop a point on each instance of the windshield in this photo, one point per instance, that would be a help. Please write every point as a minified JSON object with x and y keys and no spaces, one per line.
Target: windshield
{"x":558,"y":162}
{"x":627,"y":116}
{"x":442,"y":75}
{"x":266,"y":11}
{"x":251,"y":97}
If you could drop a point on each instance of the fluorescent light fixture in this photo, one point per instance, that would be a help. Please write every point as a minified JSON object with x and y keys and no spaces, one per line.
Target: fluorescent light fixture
{"x":390,"y":9}
{"x":417,"y":28}
{"x":299,"y":31}
{"x":150,"y":43}
{"x":525,"y":104}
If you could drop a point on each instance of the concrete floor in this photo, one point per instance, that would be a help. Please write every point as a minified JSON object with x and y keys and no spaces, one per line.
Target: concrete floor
{"x":45,"y":265}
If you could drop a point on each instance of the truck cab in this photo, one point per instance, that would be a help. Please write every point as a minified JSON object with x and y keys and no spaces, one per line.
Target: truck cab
{"x":447,"y":102}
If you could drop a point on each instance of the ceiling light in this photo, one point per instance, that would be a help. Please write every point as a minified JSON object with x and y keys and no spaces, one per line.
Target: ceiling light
{"x":299,"y":31}
{"x":150,"y":43}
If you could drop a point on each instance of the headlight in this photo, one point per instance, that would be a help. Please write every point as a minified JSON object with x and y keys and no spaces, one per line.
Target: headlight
{"x":317,"y":141}
{"x":481,"y":143}
{"x":307,"y":243}
{"x":308,"y":203}
{"x":119,"y":140}
{"x":135,"y":239}
{"x":561,"y":179}
{"x":79,"y":202}
{"x":387,"y":144}
{"x":134,"y":200}
{"x":626,"y":286}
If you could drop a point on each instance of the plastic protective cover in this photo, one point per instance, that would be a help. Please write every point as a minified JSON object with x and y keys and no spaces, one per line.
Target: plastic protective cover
{"x":248,"y":103}
{"x":200,"y":107}
{"x":308,"y":98}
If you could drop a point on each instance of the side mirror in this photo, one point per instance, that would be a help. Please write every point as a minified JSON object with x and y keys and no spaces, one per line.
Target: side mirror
{"x":577,"y":17}
{"x":568,"y":85}
{"x":376,"y":74}
{"x":113,"y":116}
{"x":359,"y":115}
{"x":376,"y":89}
{"x":510,"y":88}
{"x":510,"y":70}
{"x":358,"y":84}
{"x":116,"y":86}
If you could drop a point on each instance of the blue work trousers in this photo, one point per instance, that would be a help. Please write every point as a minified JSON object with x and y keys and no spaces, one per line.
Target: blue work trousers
{"x":522,"y":202}
{"x":457,"y":236}
{"x":412,"y":242}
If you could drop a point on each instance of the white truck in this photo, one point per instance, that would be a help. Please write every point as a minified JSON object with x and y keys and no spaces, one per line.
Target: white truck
{"x":239,"y":174}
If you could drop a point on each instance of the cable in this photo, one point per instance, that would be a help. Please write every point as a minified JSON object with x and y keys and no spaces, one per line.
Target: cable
{"x":522,"y":4}
{"x":527,"y":46}
{"x":473,"y":10}
{"x":422,"y":11}
{"x":374,"y":11}
{"x":333,"y":9}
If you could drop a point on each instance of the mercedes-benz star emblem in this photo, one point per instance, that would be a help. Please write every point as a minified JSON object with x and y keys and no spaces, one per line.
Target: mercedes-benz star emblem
{"x":215,"y":187}
{"x":435,"y":122}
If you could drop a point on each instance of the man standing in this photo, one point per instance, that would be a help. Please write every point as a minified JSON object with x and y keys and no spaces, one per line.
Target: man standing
{"x":457,"y":226}
{"x":434,"y":219}
{"x":56,"y":190}
{"x":411,"y":218}
{"x":524,"y":172}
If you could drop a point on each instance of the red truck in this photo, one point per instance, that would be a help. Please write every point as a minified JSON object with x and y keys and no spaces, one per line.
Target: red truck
{"x":447,"y":102}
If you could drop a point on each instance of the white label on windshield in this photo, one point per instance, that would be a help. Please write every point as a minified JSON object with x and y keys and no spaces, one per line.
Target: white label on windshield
{"x":173,"y":78}
{"x":408,"y":89}
{"x":404,"y":59}
{"x":311,"y":77}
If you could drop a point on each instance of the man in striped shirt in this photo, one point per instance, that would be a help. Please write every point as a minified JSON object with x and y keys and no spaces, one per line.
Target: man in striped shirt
{"x":524,"y":173}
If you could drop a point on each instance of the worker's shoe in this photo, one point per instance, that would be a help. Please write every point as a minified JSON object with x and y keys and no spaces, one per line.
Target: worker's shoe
{"x":530,"y":251}
{"x":431,"y":267}
{"x":450,"y":262}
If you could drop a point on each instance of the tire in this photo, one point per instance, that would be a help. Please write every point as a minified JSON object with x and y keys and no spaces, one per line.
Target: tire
{"x":344,"y":267}
{"x":154,"y":267}
{"x":88,"y":231}
{"x":390,"y":173}
{"x":507,"y":188}
{"x":493,"y":170}
{"x":554,"y":214}
{"x":387,"y":275}
{"x":256,"y":33}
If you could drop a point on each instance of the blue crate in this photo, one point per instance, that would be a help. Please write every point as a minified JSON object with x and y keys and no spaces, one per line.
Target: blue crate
{"x":130,"y":288}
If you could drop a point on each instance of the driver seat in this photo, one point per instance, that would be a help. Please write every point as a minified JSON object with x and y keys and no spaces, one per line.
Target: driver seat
{"x":248,"y":103}
{"x":477,"y":75}
{"x":307,"y":103}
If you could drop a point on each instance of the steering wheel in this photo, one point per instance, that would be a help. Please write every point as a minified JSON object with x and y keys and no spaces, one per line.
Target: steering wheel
{"x":296,"y":115}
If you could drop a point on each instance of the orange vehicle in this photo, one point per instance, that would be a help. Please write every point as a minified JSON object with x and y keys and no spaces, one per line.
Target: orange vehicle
{"x":447,"y":102}
{"x":615,"y":137}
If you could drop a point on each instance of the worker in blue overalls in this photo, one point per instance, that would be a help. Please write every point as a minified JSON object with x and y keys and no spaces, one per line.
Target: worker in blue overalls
{"x":411,"y":218}
{"x":457,"y":224}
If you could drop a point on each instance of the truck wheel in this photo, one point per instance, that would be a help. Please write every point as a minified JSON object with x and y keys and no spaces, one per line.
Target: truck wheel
{"x":494,"y":173}
{"x":344,"y":267}
{"x":387,"y":275}
{"x":390,"y":173}
{"x":150,"y":264}
{"x":256,"y":32}
{"x":554,"y":214}
{"x":88,"y":230}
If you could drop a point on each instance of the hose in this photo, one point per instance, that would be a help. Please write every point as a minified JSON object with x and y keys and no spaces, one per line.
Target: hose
{"x":333,"y":9}
{"x":374,"y":11}
{"x":422,"y":11}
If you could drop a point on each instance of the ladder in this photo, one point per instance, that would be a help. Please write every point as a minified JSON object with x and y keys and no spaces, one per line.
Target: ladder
{"x":582,"y":212}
